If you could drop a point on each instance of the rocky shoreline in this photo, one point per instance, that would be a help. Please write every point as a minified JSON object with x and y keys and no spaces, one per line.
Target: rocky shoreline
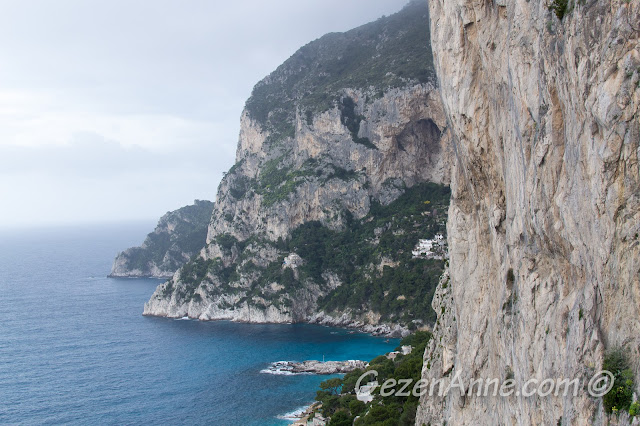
{"x":178,"y":236}
{"x":137,"y":274}
{"x":344,"y":321}
{"x":314,"y":367}
{"x":303,"y":417}
{"x":370,"y":323}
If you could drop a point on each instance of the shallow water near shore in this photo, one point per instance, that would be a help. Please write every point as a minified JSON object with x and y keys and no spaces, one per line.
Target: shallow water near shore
{"x":74,"y":347}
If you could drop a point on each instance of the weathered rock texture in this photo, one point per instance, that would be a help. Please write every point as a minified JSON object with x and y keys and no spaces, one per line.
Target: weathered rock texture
{"x":321,"y":139}
{"x":405,"y":125}
{"x":544,"y":220}
{"x":179,"y":236}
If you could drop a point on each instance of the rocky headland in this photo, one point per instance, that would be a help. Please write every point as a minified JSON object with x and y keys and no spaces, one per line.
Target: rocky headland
{"x":342,"y":164}
{"x":178,"y":237}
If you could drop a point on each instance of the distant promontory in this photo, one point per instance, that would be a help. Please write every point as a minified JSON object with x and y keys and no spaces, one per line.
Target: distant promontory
{"x":179,"y":235}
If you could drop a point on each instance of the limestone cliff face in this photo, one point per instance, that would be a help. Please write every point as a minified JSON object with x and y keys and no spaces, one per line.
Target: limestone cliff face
{"x":179,"y":235}
{"x":350,"y":120}
{"x":544,"y":219}
{"x":323,"y":174}
{"x":325,"y":171}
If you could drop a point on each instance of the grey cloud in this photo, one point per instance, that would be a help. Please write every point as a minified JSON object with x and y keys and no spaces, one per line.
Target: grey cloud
{"x":191,"y":61}
{"x":90,"y":155}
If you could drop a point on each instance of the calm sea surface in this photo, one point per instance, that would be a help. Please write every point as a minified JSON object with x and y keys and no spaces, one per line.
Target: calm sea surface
{"x":74,"y":347}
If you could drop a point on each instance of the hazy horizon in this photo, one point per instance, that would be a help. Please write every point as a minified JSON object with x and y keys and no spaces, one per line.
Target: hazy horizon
{"x":118,"y":112}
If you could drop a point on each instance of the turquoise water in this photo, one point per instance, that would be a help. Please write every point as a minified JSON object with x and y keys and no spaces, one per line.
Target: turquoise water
{"x":74,"y":347}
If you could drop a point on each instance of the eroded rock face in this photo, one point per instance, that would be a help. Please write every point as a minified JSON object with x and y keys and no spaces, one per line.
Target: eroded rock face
{"x":329,"y":174}
{"x":544,"y":221}
{"x":351,"y":121}
{"x":407,"y":130}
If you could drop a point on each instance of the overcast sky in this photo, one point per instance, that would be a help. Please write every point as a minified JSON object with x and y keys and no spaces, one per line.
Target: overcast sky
{"x":122,"y":110}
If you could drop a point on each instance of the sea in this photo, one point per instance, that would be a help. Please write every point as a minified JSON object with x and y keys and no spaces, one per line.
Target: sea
{"x":75,"y":348}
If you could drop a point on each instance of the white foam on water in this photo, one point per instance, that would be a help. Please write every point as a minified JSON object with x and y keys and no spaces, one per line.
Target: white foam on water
{"x":281,"y":368}
{"x":278,"y":372}
{"x":294,"y":415}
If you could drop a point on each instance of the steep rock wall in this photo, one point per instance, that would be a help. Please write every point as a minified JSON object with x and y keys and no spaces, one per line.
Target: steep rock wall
{"x":545,"y":215}
{"x":332,"y":174}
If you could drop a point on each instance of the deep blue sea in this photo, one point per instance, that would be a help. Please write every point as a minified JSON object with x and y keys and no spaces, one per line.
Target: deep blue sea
{"x":74,"y":347}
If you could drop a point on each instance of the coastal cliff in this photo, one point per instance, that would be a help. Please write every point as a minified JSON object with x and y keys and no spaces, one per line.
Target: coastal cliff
{"x":179,"y":235}
{"x":545,"y":216}
{"x":342,"y":165}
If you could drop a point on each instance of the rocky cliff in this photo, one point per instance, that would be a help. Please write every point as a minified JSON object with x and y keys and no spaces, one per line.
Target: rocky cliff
{"x":179,"y":236}
{"x":328,"y":143}
{"x":545,"y":216}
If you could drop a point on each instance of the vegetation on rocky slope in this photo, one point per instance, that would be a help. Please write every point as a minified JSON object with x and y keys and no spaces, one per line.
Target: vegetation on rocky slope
{"x":390,"y":52}
{"x":402,"y":289}
{"x":371,"y":257}
{"x":301,"y":188}
{"x":179,"y":235}
{"x":338,"y":395}
{"x":620,"y":396}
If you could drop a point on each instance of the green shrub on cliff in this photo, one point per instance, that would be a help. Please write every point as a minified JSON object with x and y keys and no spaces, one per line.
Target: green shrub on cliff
{"x":620,"y":396}
{"x":277,"y":180}
{"x":559,"y":7}
{"x":401,"y":291}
